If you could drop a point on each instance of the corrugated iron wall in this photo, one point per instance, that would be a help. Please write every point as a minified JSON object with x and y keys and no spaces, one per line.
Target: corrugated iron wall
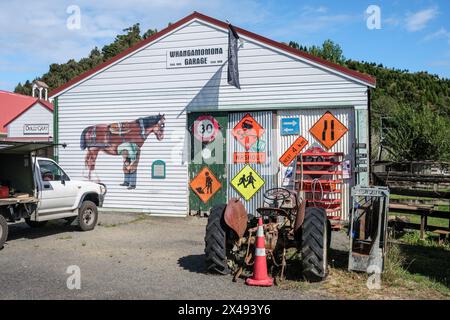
{"x":308,"y":117}
{"x":265,"y":170}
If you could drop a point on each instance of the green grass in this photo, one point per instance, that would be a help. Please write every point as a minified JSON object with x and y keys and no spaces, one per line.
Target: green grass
{"x":412,"y":262}
{"x":431,"y":240}
{"x":432,"y":221}
{"x":414,"y":269}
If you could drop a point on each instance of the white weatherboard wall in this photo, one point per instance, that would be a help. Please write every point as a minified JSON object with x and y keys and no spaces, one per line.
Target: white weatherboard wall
{"x":37,"y":114}
{"x":141,"y":85}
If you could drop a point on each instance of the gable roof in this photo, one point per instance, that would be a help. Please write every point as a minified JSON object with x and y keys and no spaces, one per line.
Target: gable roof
{"x":360,"y":77}
{"x":13,"y":105}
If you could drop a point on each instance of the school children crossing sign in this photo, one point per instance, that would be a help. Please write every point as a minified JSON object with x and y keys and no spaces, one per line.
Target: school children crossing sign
{"x":247,"y":182}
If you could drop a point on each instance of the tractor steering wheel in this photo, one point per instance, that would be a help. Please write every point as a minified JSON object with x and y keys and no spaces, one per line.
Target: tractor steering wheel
{"x":277,"y":194}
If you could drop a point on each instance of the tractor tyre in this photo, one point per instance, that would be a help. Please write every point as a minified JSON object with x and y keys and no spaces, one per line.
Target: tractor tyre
{"x":314,"y":246}
{"x":216,"y":241}
{"x":3,"y":231}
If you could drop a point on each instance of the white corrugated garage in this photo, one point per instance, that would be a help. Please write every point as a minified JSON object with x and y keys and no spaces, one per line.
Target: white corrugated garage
{"x":144,"y":92}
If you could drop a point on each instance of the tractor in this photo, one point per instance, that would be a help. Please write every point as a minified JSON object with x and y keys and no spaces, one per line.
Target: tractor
{"x":289,"y":224}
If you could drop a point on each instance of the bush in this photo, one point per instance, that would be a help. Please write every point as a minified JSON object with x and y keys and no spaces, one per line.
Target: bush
{"x":417,"y":134}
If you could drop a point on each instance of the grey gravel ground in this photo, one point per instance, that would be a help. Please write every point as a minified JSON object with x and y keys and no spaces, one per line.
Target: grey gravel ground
{"x":125,"y":257}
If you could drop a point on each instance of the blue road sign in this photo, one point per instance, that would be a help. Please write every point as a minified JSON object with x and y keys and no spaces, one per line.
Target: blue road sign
{"x":290,"y":126}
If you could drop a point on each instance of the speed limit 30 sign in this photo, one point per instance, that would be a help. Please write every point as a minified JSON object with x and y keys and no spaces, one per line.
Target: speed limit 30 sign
{"x":205,"y":128}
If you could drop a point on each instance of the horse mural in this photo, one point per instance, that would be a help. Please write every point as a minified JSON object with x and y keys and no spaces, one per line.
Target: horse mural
{"x":122,"y":138}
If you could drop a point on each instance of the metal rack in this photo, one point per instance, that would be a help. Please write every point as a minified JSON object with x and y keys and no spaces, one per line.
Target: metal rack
{"x":368,"y":225}
{"x":320,"y":175}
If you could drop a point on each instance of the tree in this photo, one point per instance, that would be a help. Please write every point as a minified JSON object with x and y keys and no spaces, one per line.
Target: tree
{"x":417,"y":135}
{"x":329,"y":51}
{"x":149,"y":33}
{"x":24,"y":89}
{"x":122,"y":42}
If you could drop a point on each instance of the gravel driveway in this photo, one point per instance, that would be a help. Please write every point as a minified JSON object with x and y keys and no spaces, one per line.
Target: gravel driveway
{"x":126,"y":257}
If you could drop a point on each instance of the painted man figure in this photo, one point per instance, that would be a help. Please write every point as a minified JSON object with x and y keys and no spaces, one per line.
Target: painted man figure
{"x":129,"y":152}
{"x":208,"y":182}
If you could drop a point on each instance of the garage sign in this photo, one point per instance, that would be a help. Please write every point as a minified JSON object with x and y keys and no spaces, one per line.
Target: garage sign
{"x":196,"y":57}
{"x":328,"y":130}
{"x":247,"y":182}
{"x":293,"y":151}
{"x":247,"y":131}
{"x":205,"y":128}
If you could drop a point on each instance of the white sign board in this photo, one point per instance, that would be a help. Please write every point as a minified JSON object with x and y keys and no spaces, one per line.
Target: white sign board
{"x":196,"y":57}
{"x":35,"y":129}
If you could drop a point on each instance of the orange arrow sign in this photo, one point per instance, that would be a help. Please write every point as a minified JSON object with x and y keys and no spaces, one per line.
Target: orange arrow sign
{"x":293,"y":151}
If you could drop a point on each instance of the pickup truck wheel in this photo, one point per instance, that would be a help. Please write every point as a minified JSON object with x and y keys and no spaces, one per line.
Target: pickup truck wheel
{"x":3,"y":231}
{"x":87,"y":216}
{"x":35,"y":224}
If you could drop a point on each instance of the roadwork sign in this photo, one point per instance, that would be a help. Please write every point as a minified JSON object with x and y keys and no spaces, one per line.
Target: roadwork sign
{"x":293,"y":151}
{"x":205,"y":184}
{"x":328,"y":130}
{"x":247,"y":182}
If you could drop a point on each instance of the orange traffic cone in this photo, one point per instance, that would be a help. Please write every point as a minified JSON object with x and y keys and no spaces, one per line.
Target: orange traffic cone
{"x":260,"y":277}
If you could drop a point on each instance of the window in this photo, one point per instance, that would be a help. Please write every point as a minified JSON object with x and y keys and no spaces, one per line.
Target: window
{"x":50,"y":171}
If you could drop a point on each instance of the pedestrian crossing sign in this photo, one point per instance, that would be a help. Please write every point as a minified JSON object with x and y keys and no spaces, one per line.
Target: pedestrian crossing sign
{"x":247,"y":182}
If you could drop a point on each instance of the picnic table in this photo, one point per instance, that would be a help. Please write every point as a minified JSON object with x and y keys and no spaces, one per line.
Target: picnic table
{"x":424,"y":211}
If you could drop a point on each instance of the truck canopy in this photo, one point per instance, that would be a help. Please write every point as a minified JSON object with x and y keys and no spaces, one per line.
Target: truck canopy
{"x":24,"y":147}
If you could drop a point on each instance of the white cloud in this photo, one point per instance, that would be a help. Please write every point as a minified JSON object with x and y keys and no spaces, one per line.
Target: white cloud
{"x":307,"y":10}
{"x":38,"y":28}
{"x":440,"y":63}
{"x":442,"y":33}
{"x":392,"y":21}
{"x":308,"y":20}
{"x":419,"y":20}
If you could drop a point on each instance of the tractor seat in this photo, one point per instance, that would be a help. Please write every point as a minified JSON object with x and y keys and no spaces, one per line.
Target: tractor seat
{"x":267,"y":211}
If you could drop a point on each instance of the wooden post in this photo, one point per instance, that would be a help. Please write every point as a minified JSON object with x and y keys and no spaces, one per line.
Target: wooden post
{"x":422,"y":225}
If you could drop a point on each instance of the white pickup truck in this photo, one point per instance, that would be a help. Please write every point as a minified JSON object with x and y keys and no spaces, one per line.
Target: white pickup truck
{"x":38,"y":190}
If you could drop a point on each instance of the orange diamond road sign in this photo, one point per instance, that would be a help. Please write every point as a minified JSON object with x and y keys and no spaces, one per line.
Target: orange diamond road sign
{"x":293,"y":151}
{"x":205,"y":184}
{"x":247,"y":131}
{"x":328,"y":130}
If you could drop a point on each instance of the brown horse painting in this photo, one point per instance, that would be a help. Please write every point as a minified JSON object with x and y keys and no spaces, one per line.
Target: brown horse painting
{"x":122,"y":138}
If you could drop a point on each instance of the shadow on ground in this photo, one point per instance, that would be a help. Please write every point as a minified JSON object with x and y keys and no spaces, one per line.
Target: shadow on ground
{"x":193,"y":263}
{"x":23,"y":231}
{"x":431,"y":262}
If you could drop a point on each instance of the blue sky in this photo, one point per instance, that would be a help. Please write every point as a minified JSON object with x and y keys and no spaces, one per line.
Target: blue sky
{"x":414,"y":34}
